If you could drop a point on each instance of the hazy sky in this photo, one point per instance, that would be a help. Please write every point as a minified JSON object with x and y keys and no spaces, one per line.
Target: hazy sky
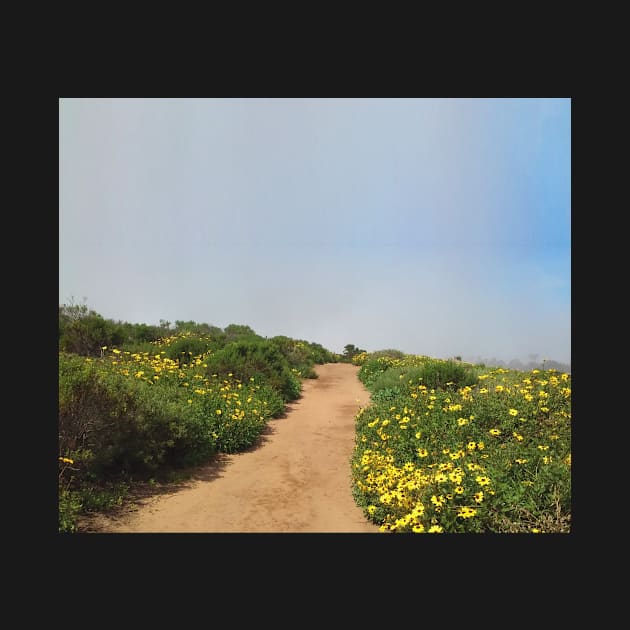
{"x":435,"y":226}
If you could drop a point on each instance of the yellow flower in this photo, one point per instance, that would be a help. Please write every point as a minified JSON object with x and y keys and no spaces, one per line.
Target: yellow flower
{"x":466,"y":512}
{"x":190,"y":401}
{"x":219,"y":412}
{"x":422,"y":452}
{"x":495,"y":432}
{"x":513,"y":412}
{"x":66,"y":460}
{"x":435,"y":529}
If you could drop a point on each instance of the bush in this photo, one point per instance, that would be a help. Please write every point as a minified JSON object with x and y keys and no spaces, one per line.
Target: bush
{"x":258,"y":359}
{"x":302,"y":355}
{"x":436,"y":373}
{"x":319,"y":354}
{"x":85,"y":332}
{"x":394,"y":379}
{"x":184,"y":349}
{"x":384,"y":371}
{"x":113,"y":425}
{"x":390,"y":353}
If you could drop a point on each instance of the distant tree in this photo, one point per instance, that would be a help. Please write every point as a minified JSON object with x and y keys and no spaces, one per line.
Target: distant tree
{"x":235,"y":332}
{"x":165,"y":325}
{"x":350,"y":350}
{"x":83,"y":331}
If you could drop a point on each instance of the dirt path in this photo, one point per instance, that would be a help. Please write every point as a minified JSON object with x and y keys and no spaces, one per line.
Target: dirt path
{"x":297,"y":480}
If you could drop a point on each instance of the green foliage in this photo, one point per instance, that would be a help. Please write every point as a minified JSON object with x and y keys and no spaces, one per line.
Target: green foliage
{"x":385,"y":394}
{"x":493,"y":456}
{"x":238,"y":332}
{"x":394,"y":379}
{"x":184,"y":349}
{"x":113,"y":425}
{"x":437,"y":373}
{"x":302,"y":355}
{"x":83,"y":331}
{"x":371,"y":368}
{"x":386,"y":370}
{"x":318,"y":354}
{"x":390,"y":353}
{"x":139,"y":347}
{"x":260,"y":359}
{"x":70,"y":506}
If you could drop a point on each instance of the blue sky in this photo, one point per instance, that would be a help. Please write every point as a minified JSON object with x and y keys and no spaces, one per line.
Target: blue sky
{"x":436,"y":226}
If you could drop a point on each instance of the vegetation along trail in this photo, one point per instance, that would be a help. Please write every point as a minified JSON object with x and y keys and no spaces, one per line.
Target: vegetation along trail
{"x":297,"y":479}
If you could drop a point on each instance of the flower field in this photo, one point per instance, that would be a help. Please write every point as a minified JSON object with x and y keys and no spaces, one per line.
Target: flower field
{"x":449,"y":447}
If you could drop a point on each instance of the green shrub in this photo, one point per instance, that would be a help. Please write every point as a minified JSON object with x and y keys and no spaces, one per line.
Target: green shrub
{"x":184,"y":349}
{"x":390,"y":353}
{"x":385,"y":371}
{"x":319,"y":354}
{"x":84,"y":332}
{"x":258,"y":359}
{"x":70,"y":506}
{"x":392,"y":379}
{"x":386,"y":395}
{"x":437,"y":373}
{"x":371,"y":368}
{"x":122,"y":426}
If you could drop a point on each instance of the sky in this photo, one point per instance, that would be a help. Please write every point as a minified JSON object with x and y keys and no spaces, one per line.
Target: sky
{"x":439,"y":227}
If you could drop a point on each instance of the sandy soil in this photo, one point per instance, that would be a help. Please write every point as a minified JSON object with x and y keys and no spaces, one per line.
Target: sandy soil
{"x":297,"y":479}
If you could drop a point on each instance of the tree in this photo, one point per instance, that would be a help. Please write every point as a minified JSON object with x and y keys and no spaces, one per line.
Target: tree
{"x":350,"y":350}
{"x":83,"y":331}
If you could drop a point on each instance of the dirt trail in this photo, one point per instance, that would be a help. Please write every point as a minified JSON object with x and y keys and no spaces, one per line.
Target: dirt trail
{"x":297,"y":479}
